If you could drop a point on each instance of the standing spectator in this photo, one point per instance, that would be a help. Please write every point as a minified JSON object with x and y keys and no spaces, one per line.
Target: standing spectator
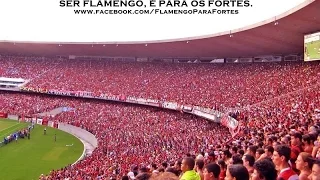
{"x":304,"y":165}
{"x":248,"y":162}
{"x":237,"y":172}
{"x":296,"y":148}
{"x":211,"y":172}
{"x":223,"y":169}
{"x":125,"y":178}
{"x":264,"y":170}
{"x":316,"y":148}
{"x":252,"y":150}
{"x":236,"y":159}
{"x":315,"y":175}
{"x":307,"y":144}
{"x":131,"y":175}
{"x":259,"y":153}
{"x":268,"y":152}
{"x":199,"y":167}
{"x":226,"y":156}
{"x":280,"y":158}
{"x":177,"y":166}
{"x":234,"y":150}
{"x":187,"y":166}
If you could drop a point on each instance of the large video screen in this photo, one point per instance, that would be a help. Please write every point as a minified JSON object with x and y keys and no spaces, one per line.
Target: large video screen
{"x":312,"y":47}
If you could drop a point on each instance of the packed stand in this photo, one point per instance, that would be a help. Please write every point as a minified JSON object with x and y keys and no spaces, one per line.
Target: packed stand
{"x":209,"y":85}
{"x":25,"y":67}
{"x":153,"y":141}
{"x":127,"y":135}
{"x":26,"y":104}
{"x":279,"y":134}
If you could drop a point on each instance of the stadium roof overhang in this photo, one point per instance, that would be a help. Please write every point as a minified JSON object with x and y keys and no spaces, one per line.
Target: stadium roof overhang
{"x":281,"y":35}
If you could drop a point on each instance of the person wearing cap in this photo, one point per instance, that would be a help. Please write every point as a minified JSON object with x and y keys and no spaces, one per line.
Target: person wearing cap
{"x":280,"y":158}
{"x":187,"y":169}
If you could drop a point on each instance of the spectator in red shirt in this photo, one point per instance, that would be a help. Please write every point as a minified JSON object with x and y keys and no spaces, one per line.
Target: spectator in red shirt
{"x":223,"y":169}
{"x":280,"y":158}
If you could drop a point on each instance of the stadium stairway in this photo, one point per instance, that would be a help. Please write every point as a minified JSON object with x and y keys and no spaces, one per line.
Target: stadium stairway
{"x":52,"y":113}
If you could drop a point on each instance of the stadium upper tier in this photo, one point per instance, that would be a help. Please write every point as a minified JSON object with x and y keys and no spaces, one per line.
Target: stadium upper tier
{"x":208,"y":85}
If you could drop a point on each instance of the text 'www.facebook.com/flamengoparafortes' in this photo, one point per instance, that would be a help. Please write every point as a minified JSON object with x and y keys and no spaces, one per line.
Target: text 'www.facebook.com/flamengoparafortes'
{"x":155,"y":11}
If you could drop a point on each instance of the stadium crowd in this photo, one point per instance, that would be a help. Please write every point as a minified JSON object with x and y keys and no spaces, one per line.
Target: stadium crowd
{"x":279,"y":115}
{"x":124,"y":132}
{"x":206,"y":85}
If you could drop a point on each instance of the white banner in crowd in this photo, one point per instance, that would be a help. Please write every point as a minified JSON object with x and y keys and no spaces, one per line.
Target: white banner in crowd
{"x":39,"y":121}
{"x":170,"y":105}
{"x":207,"y":113}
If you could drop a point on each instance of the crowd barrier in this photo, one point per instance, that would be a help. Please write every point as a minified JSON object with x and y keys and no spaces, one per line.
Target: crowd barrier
{"x":206,"y":113}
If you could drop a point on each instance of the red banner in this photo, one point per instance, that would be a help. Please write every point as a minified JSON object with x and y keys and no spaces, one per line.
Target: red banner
{"x":45,"y":121}
{"x":3,"y":115}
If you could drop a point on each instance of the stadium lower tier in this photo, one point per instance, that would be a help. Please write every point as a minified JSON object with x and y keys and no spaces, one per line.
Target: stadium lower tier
{"x":132,"y":137}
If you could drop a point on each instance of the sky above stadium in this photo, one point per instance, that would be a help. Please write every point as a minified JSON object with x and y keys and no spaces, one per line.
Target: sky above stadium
{"x":45,"y":20}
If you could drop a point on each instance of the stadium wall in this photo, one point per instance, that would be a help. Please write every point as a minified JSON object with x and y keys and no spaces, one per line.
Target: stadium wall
{"x":89,"y":141}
